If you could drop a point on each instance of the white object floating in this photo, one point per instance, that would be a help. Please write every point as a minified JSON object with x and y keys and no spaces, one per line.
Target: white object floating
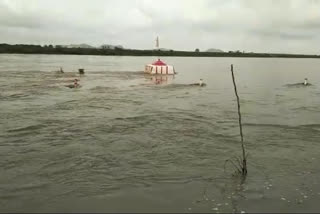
{"x":159,"y":67}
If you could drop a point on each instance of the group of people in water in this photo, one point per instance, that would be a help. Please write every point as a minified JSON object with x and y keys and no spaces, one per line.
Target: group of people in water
{"x":75,"y":83}
{"x":200,"y":83}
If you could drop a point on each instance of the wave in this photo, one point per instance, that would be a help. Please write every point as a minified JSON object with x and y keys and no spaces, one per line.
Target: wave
{"x":307,"y":108}
{"x":102,"y":89}
{"x":316,"y":126}
{"x":27,"y":128}
{"x":117,"y":72}
{"x":14,"y":96}
{"x":304,"y":126}
{"x":162,"y":117}
{"x":297,"y":85}
{"x":177,"y":86}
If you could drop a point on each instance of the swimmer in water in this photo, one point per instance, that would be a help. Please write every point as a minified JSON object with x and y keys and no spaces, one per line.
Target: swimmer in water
{"x":201,"y":83}
{"x":300,"y":84}
{"x":74,"y":85}
{"x":60,"y":71}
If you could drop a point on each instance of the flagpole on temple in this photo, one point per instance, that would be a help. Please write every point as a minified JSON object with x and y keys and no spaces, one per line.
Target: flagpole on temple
{"x":158,"y":45}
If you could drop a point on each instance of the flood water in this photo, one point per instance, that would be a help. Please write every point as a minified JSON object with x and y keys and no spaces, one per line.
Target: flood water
{"x":129,"y":142}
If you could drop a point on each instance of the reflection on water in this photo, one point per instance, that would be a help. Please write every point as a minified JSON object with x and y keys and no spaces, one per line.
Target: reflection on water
{"x":160,"y":79}
{"x":120,"y":143}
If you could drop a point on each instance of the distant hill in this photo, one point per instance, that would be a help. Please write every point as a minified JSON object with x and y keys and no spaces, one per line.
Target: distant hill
{"x":213,"y":50}
{"x":78,"y":46}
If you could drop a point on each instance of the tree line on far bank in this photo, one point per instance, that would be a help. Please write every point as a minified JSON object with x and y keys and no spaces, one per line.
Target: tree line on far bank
{"x":50,"y":49}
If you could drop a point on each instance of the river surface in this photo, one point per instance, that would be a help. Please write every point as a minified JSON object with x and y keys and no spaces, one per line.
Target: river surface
{"x":129,"y":142}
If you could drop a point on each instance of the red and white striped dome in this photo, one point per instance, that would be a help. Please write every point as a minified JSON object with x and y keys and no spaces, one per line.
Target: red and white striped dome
{"x":159,"y":67}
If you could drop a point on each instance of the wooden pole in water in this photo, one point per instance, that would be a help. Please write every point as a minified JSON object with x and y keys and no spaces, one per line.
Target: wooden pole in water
{"x":244,"y":157}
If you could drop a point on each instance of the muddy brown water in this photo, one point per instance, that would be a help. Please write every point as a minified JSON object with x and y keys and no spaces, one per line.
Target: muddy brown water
{"x":129,"y":142}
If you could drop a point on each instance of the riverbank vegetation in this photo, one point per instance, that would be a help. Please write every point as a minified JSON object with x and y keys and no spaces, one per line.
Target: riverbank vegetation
{"x":50,"y":49}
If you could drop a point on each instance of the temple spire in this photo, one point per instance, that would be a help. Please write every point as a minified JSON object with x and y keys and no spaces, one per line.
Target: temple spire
{"x":157,"y":42}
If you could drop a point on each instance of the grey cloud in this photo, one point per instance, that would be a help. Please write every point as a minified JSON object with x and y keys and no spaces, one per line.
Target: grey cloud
{"x":269,"y":25}
{"x":10,"y":19}
{"x":310,"y":25}
{"x":283,"y":35}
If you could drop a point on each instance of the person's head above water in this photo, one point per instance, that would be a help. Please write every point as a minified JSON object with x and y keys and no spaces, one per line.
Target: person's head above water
{"x":305,"y":81}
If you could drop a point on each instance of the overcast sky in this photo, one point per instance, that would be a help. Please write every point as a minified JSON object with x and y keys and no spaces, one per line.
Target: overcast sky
{"x":291,"y":26}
